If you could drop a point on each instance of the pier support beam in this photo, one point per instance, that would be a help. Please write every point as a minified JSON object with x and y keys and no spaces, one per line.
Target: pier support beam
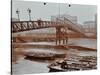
{"x":66,"y":35}
{"x":61,"y":36}
{"x":58,"y":35}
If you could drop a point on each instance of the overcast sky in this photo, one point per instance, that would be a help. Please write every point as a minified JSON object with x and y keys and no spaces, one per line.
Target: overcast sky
{"x":38,"y":10}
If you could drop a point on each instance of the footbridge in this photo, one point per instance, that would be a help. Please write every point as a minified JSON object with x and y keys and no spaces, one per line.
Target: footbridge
{"x":61,"y":26}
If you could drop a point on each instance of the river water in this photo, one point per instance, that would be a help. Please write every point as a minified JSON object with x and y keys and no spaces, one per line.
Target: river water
{"x":23,"y":66}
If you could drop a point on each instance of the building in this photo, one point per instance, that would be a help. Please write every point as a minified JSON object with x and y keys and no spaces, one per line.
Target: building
{"x":89,"y":26}
{"x":96,"y":23}
{"x":71,"y":18}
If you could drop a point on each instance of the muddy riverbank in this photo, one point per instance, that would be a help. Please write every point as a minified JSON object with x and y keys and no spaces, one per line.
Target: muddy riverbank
{"x":24,"y":66}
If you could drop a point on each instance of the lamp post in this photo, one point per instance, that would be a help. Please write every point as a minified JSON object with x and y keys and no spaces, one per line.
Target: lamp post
{"x":29,"y":11}
{"x":64,"y":34}
{"x":17,"y":12}
{"x":59,"y":10}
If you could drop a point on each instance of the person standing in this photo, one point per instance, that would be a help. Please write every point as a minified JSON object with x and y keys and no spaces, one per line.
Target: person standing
{"x":39,"y":22}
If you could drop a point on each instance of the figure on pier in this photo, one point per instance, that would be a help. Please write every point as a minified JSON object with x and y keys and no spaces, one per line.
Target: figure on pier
{"x":39,"y":22}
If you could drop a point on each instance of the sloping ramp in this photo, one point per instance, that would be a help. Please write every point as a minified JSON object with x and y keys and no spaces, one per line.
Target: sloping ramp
{"x":71,"y":26}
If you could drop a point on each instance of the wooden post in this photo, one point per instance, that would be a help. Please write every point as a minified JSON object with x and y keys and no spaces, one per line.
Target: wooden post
{"x":64,"y":41}
{"x":66,"y":36}
{"x":58,"y":35}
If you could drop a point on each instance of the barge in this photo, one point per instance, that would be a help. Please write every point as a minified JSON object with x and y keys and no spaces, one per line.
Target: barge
{"x":83,"y":63}
{"x":44,"y":56}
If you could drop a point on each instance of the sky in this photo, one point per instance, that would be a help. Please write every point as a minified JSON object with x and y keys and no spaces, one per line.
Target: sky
{"x":39,"y":10}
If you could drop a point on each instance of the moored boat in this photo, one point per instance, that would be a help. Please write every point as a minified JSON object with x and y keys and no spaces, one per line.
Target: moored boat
{"x":73,"y":64}
{"x":43,"y":56}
